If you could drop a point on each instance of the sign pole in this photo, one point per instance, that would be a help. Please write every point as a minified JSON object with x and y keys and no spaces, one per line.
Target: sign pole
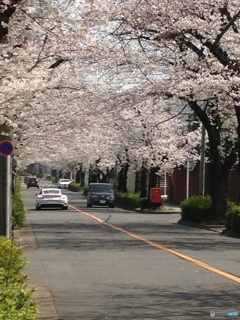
{"x":3,"y":195}
{"x":5,"y":179}
{"x":9,"y":197}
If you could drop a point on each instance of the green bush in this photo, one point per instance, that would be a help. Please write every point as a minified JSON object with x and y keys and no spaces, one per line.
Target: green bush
{"x":51,"y":178}
{"x":73,"y":186}
{"x":196,"y":208}
{"x":11,"y":256}
{"x":18,"y":211}
{"x":129,"y":200}
{"x":85,"y":190}
{"x":16,"y":301}
{"x":232,"y":221}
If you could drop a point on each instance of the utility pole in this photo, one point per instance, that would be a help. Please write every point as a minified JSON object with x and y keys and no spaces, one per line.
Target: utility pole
{"x":189,"y":166}
{"x":202,"y":163}
{"x":5,"y":179}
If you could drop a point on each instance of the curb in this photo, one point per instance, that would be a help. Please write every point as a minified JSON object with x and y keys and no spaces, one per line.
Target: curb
{"x":215,"y":228}
{"x":231,"y":234}
{"x":44,"y":299}
{"x":168,"y":210}
{"x":158,"y":212}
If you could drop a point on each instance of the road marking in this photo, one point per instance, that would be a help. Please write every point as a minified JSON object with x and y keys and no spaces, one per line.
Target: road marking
{"x":159,"y":246}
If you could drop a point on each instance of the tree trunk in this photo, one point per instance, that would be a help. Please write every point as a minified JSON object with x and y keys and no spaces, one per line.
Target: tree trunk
{"x":219,"y":172}
{"x":143,"y":182}
{"x":153,"y":178}
{"x":137,"y":182}
{"x":218,"y":179}
{"x":93,"y":176}
{"x":82,"y":178}
{"x":237,"y":110}
{"x":220,"y":165}
{"x":78,"y":175}
{"x":122,"y":178}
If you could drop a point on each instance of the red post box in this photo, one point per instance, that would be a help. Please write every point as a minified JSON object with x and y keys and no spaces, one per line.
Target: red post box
{"x":155,"y":195}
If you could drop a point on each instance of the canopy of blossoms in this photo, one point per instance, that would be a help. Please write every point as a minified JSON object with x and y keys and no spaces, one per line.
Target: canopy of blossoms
{"x":84,"y":81}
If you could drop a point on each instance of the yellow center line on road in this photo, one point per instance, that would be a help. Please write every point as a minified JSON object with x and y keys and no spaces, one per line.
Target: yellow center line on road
{"x":159,"y":246}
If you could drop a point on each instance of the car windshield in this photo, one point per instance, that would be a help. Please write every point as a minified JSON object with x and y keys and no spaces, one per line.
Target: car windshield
{"x":101,"y":188}
{"x":51,"y":191}
{"x":64,"y":180}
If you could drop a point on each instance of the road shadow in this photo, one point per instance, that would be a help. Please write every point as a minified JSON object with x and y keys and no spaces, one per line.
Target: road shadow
{"x":143,"y":303}
{"x":87,"y":236}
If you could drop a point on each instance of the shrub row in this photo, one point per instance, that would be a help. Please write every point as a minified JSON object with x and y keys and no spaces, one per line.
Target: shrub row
{"x":18,"y":211}
{"x":126,"y":200}
{"x":51,"y":178}
{"x":76,"y":187}
{"x":73,"y":186}
{"x":232,"y":221}
{"x":85,"y":190}
{"x":16,"y":302}
{"x":197,"y":209}
{"x":129,"y":200}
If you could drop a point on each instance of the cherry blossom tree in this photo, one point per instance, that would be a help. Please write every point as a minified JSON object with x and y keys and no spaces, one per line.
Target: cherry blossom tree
{"x":38,"y":43}
{"x":187,"y":52}
{"x":84,"y":82}
{"x":36,"y":40}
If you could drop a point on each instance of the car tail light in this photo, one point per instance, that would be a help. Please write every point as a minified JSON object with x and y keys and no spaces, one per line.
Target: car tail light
{"x":41,"y":197}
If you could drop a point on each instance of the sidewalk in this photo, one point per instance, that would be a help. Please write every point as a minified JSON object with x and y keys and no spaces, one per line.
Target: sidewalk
{"x":26,"y":240}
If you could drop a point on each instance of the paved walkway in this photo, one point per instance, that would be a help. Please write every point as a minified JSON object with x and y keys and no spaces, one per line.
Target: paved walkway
{"x":26,"y":240}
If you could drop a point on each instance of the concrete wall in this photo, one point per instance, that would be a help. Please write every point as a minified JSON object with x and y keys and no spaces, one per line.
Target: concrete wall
{"x":131,"y":181}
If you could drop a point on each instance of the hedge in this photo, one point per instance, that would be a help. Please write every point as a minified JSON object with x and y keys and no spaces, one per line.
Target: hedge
{"x":232,"y":221}
{"x":196,"y":208}
{"x":16,"y":302}
{"x":129,"y":200}
{"x":73,"y":186}
{"x":18,"y":211}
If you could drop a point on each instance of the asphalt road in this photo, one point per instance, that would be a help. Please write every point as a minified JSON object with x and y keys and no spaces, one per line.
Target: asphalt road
{"x":102,"y":263}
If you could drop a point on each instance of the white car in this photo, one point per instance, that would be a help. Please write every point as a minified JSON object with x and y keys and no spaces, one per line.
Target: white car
{"x":63,"y":183}
{"x":51,"y":197}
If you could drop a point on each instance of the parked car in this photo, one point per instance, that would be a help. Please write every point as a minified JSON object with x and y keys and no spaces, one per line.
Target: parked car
{"x":51,"y":198}
{"x":101,"y":194}
{"x":63,"y":183}
{"x":32,"y":182}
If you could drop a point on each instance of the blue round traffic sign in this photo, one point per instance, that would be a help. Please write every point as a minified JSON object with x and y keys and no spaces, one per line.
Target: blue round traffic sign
{"x":6,"y":148}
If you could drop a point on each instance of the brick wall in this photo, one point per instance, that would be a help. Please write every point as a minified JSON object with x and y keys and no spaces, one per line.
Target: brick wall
{"x":177,"y":184}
